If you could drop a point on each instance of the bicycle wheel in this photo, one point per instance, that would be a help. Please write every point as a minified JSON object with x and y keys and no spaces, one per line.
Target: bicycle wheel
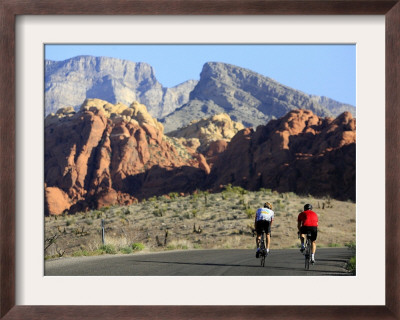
{"x":307,"y":255}
{"x":262,"y":250}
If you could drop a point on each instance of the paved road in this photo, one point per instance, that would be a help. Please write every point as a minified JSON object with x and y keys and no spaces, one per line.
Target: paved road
{"x":286,"y":262}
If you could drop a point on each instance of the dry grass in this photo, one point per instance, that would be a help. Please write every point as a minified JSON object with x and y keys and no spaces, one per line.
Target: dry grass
{"x":199,"y":221}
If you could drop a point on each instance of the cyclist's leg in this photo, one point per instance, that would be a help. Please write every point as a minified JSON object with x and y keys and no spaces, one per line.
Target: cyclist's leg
{"x":258,"y":237}
{"x":314,"y":243}
{"x":258,"y":240}
{"x":302,"y":237}
{"x":268,"y":236}
{"x":313,"y":247}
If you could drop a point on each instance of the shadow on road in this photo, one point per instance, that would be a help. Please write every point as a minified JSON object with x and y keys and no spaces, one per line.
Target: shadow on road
{"x":198,"y":263}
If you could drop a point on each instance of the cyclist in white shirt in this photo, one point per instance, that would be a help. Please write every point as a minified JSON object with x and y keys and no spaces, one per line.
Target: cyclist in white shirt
{"x":263,"y":222}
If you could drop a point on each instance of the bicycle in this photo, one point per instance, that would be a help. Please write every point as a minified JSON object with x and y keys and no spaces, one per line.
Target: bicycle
{"x":263,"y":251}
{"x":307,"y":251}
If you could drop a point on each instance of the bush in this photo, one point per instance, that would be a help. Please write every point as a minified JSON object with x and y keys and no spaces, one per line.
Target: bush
{"x":158,"y":213}
{"x":70,"y":222}
{"x":137,"y":246}
{"x":80,"y":253}
{"x":108,"y":248}
{"x":351,"y":265}
{"x":250,"y":213}
{"x":173,"y":195}
{"x":126,"y":250}
{"x":351,"y":246}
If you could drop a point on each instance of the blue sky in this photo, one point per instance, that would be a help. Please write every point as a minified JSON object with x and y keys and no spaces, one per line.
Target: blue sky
{"x":325,"y":70}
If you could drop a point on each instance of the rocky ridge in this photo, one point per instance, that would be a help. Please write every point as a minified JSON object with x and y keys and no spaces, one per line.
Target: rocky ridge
{"x":71,"y":82}
{"x":247,"y":97}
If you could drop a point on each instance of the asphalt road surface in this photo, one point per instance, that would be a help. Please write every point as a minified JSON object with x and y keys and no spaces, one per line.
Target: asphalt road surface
{"x":285,"y":262}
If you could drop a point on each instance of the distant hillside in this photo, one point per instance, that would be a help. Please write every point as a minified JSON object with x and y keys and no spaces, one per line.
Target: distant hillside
{"x":246,"y":97}
{"x":71,"y":82}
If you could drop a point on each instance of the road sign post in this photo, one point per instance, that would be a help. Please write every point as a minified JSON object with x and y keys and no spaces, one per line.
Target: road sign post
{"x":103,"y":240}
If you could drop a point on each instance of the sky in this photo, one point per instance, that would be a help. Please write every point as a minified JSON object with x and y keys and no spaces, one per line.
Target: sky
{"x":324,"y":70}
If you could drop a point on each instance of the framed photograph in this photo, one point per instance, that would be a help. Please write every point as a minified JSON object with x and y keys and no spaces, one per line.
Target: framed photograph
{"x":26,"y":291}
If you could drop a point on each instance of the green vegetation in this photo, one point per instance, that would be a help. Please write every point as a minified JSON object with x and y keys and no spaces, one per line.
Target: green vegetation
{"x":351,"y":264}
{"x":126,"y":250}
{"x":108,"y":248}
{"x":138,"y":246}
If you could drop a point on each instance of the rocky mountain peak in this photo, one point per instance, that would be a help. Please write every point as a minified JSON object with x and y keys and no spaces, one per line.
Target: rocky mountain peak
{"x":247,"y":97}
{"x":71,"y":82}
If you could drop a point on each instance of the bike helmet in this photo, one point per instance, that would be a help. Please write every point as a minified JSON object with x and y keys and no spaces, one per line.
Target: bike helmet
{"x":268,"y":205}
{"x":307,"y":207}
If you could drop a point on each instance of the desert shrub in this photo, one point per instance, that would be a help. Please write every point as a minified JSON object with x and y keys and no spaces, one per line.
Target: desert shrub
{"x":351,"y":246}
{"x":158,"y":213}
{"x":265,"y":191}
{"x":178,"y":246}
{"x":351,"y":265}
{"x":333,"y":245}
{"x":126,"y":250}
{"x":108,"y":248}
{"x":97,"y":214}
{"x":137,"y":246}
{"x":278,"y":204}
{"x":250,"y":213}
{"x":80,"y":253}
{"x":70,"y":222}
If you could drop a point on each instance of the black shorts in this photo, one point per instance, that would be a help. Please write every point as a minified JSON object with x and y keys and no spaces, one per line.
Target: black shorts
{"x":263,"y":225}
{"x":312,"y":230}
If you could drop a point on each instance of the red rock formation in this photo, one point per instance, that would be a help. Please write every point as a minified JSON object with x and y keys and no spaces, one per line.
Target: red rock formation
{"x":104,"y":154}
{"x":300,"y":152}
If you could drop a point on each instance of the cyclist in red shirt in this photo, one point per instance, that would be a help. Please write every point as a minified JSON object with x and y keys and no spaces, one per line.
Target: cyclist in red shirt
{"x":307,"y":221}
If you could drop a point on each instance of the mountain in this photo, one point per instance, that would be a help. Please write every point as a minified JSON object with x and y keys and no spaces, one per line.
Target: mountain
{"x":300,"y":153}
{"x":334,"y":106}
{"x":247,"y":97}
{"x":108,"y":154}
{"x":71,"y":82}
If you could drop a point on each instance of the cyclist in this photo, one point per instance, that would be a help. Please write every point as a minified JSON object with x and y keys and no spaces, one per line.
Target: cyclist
{"x":307,"y":221}
{"x":263,"y":222}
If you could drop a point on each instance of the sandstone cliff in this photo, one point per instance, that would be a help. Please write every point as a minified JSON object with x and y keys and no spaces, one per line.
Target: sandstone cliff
{"x":219,"y":127}
{"x":107,"y":154}
{"x":300,"y":153}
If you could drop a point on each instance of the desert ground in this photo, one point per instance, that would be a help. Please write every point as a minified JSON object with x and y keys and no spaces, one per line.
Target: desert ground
{"x":202,"y":220}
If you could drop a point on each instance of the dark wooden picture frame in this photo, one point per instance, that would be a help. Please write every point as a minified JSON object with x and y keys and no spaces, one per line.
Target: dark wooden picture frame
{"x":10,"y":9}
